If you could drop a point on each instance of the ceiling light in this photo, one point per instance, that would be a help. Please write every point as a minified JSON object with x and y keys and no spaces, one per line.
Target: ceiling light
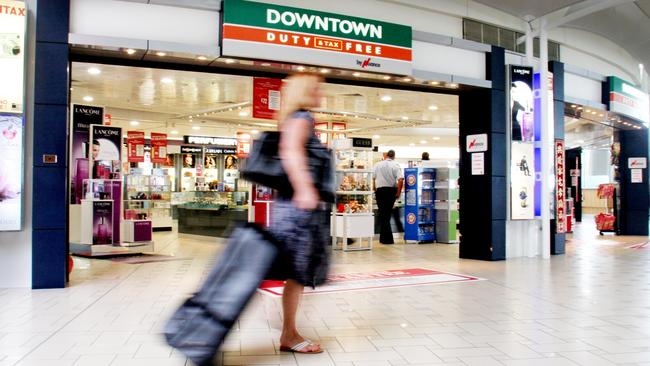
{"x":135,"y":123}
{"x":166,"y":80}
{"x":588,"y":110}
{"x":436,"y":138}
{"x":324,"y":71}
{"x":386,"y":77}
{"x":196,"y":128}
{"x":300,"y":68}
{"x":434,"y":82}
{"x":255,"y":132}
{"x":580,"y":108}
{"x":243,"y":114}
{"x":161,"y":54}
{"x":386,"y":98}
{"x":356,"y":74}
{"x":593,"y":112}
{"x":407,"y":80}
{"x":433,"y":107}
{"x":266,"y":64}
{"x":94,"y":71}
{"x":201,"y":58}
{"x":405,"y":118}
{"x":411,"y":144}
{"x":601,"y":115}
{"x":453,"y":85}
{"x":88,"y":98}
{"x":174,"y":132}
{"x":423,"y":142}
{"x":573,"y":106}
{"x":376,"y":136}
{"x":229,"y":61}
{"x":130,"y":51}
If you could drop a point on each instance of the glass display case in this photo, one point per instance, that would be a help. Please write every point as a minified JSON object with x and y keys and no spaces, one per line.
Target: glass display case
{"x":210,"y":213}
{"x":148,"y":197}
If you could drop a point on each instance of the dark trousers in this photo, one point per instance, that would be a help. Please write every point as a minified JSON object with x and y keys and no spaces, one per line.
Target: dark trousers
{"x":385,"y":202}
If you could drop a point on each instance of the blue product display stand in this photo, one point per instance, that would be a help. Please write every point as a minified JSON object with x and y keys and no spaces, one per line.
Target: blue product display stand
{"x":419,"y":210}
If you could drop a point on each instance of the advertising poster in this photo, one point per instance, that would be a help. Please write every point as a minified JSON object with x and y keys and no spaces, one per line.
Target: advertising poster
{"x":560,"y":187}
{"x":230,"y":162}
{"x":522,"y":103}
{"x":522,"y":179}
{"x":189,"y":161}
{"x":12,"y":55}
{"x":266,"y":97}
{"x":158,"y":148}
{"x":11,"y":172}
{"x":106,"y":151}
{"x":210,"y":161}
{"x":102,"y":222}
{"x":83,"y":116}
{"x":243,"y":144}
{"x":135,"y":146}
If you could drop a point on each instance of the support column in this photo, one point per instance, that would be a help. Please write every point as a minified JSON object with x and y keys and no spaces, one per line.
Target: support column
{"x":547,"y":142}
{"x":483,"y":198}
{"x":49,"y":214}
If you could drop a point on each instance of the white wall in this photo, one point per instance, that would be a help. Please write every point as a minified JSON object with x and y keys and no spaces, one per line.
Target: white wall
{"x":16,"y":247}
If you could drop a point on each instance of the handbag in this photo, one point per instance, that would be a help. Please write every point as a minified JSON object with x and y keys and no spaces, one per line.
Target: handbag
{"x":264,"y":166}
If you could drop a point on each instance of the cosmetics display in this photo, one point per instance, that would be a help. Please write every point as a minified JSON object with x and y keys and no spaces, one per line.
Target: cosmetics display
{"x":148,"y":197}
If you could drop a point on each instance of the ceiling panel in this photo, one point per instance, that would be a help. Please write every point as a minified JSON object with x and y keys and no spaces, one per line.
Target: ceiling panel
{"x":521,"y":8}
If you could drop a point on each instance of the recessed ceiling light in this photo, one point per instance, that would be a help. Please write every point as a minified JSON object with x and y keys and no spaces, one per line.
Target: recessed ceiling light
{"x":436,"y":138}
{"x":588,"y":110}
{"x":243,"y":114}
{"x":201,"y":58}
{"x":135,"y":123}
{"x":356,"y":74}
{"x":376,"y":136}
{"x":166,"y":80}
{"x":423,"y":142}
{"x":386,"y":77}
{"x":88,"y":98}
{"x":453,"y":85}
{"x":324,"y":71}
{"x":580,"y":108}
{"x":94,"y":71}
{"x":229,"y":61}
{"x":405,"y":118}
{"x":300,"y":68}
{"x":266,"y":64}
{"x":130,"y":51}
{"x":255,"y":132}
{"x":601,"y":115}
{"x":174,"y":132}
{"x":196,"y":128}
{"x":573,"y":106}
{"x":434,"y":82}
{"x":411,"y":144}
{"x":161,"y":54}
{"x":407,"y":80}
{"x":593,"y":112}
{"x":433,"y":107}
{"x":386,"y":98}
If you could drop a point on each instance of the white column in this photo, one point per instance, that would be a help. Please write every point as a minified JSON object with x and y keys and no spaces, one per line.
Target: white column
{"x":547,"y":142}
{"x":529,"y":41}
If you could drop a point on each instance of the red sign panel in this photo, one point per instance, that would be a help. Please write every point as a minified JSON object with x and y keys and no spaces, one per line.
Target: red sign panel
{"x":243,"y":144}
{"x":322,"y":135}
{"x":560,"y":188}
{"x":266,"y":97}
{"x":158,"y":148}
{"x":135,"y":146}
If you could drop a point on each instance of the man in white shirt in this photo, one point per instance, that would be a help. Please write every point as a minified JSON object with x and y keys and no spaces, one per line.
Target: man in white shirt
{"x":388,"y":184}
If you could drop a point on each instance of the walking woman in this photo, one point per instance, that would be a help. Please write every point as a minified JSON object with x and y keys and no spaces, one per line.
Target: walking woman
{"x":299,"y":217}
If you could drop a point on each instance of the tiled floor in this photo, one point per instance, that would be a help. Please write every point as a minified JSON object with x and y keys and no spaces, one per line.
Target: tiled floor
{"x":588,"y":307}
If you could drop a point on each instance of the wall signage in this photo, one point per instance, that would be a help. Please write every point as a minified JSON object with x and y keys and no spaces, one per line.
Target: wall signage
{"x":522,"y":151}
{"x":207,"y":140}
{"x":191,"y":149}
{"x":361,"y":142}
{"x":478,"y":163}
{"x":243,"y":144}
{"x":477,"y":143}
{"x":158,"y":148}
{"x":636,"y":175}
{"x":560,"y":188}
{"x":637,"y":163}
{"x":266,"y":97}
{"x":135,"y":146}
{"x":220,"y":150}
{"x":12,"y":55}
{"x":626,"y":99}
{"x":272,"y":32}
{"x":11,"y":172}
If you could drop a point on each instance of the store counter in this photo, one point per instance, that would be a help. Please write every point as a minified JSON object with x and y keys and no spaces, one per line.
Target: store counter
{"x":210,"y":221}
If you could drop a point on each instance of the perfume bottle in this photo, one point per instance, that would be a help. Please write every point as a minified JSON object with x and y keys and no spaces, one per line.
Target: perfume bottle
{"x":102,"y":235}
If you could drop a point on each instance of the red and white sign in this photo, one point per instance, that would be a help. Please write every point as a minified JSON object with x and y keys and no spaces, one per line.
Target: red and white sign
{"x":560,"y":187}
{"x":374,"y":280}
{"x":243,"y":144}
{"x":108,"y":119}
{"x":477,"y":143}
{"x":338,"y":126}
{"x":637,"y":163}
{"x":135,"y":146}
{"x":266,"y":97}
{"x":158,"y":147}
{"x":322,"y":135}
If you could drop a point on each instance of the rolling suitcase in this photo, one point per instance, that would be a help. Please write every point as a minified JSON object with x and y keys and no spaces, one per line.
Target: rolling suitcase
{"x":200,"y":325}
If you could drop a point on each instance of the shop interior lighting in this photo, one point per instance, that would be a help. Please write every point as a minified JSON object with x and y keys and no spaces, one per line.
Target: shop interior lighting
{"x":423,"y":142}
{"x":300,"y":68}
{"x":174,"y":132}
{"x":88,"y":98}
{"x":161,"y":54}
{"x":453,"y":85}
{"x":324,"y":71}
{"x":166,"y":80}
{"x":407,"y":80}
{"x":434,"y":82}
{"x":135,"y":123}
{"x":229,"y":61}
{"x":255,"y":132}
{"x":196,"y":128}
{"x":243,"y":114}
{"x":94,"y":71}
{"x":266,"y":64}
{"x":580,"y":108}
{"x":201,"y":58}
{"x":405,"y":118}
{"x":356,"y":74}
{"x":130,"y":51}
{"x":436,"y":138}
{"x":386,"y":77}
{"x":386,"y":98}
{"x":573,"y":106}
{"x":376,"y":137}
{"x":433,"y":107}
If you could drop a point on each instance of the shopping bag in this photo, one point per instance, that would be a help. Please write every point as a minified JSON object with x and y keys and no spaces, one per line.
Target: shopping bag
{"x":200,"y":325}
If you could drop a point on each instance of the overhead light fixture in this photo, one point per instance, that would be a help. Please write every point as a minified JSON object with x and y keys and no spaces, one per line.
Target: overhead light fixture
{"x":300,"y":68}
{"x":229,"y":61}
{"x":453,"y":85}
{"x":161,"y":54}
{"x":386,"y":98}
{"x":386,"y":77}
{"x":573,"y":106}
{"x":356,"y":74}
{"x":436,"y":138}
{"x":174,"y":132}
{"x":201,"y":58}
{"x":588,"y":110}
{"x":135,"y":123}
{"x":243,"y":114}
{"x":434,"y":82}
{"x":423,"y":142}
{"x":405,"y":118}
{"x":324,"y":71}
{"x":376,"y":136}
{"x":433,"y":107}
{"x":130,"y":51}
{"x":407,"y":80}
{"x":580,"y":142}
{"x":166,"y":80}
{"x":601,"y":115}
{"x":94,"y":71}
{"x":266,"y":64}
{"x":580,"y":108}
{"x":255,"y":132}
{"x":196,"y":128}
{"x":88,"y":98}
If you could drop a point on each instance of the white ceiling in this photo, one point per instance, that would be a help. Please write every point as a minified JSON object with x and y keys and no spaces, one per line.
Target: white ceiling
{"x":161,"y":101}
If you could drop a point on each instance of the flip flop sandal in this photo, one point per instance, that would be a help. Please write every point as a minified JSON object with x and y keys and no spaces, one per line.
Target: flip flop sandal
{"x":298,"y":348}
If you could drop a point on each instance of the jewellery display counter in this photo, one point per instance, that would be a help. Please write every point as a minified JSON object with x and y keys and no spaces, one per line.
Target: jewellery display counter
{"x":210,"y":213}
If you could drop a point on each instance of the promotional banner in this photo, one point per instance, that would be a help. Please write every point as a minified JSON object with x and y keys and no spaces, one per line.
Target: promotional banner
{"x":266,"y":97}
{"x":106,"y":156}
{"x":83,"y":116}
{"x":12,"y":55}
{"x":243,"y":144}
{"x":135,"y":146}
{"x":273,"y":32}
{"x":560,"y":188}
{"x":626,"y":99}
{"x":11,"y":172}
{"x":102,"y":222}
{"x":158,"y":148}
{"x":521,"y":103}
{"x":522,"y":180}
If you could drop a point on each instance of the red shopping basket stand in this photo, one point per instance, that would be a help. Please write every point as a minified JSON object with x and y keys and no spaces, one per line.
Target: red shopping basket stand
{"x":606,"y":223}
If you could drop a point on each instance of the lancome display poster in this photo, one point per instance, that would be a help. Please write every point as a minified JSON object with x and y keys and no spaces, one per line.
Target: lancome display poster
{"x":522,"y":180}
{"x":12,"y":55}
{"x":102,"y":222}
{"x":11,"y":172}
{"x":522,"y":103}
{"x":106,"y":151}
{"x":83,"y":116}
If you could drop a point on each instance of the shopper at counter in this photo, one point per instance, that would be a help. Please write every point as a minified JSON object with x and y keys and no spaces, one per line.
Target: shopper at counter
{"x":388,"y":182}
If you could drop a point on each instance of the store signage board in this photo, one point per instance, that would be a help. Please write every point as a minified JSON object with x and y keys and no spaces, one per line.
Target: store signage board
{"x":158,"y":148}
{"x":266,"y":97}
{"x":207,"y":140}
{"x":244,"y":141}
{"x":636,"y":175}
{"x":637,"y":163}
{"x":220,"y":150}
{"x":345,"y":282}
{"x":560,"y":187}
{"x":522,"y":148}
{"x":191,"y":149}
{"x":135,"y":146}
{"x":280,"y":33}
{"x":628,"y":100}
{"x":362,"y":142}
{"x":476,"y":143}
{"x":478,"y":163}
{"x":12,"y":55}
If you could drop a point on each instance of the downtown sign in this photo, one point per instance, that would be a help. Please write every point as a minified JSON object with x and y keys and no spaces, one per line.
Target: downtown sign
{"x":272,"y":32}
